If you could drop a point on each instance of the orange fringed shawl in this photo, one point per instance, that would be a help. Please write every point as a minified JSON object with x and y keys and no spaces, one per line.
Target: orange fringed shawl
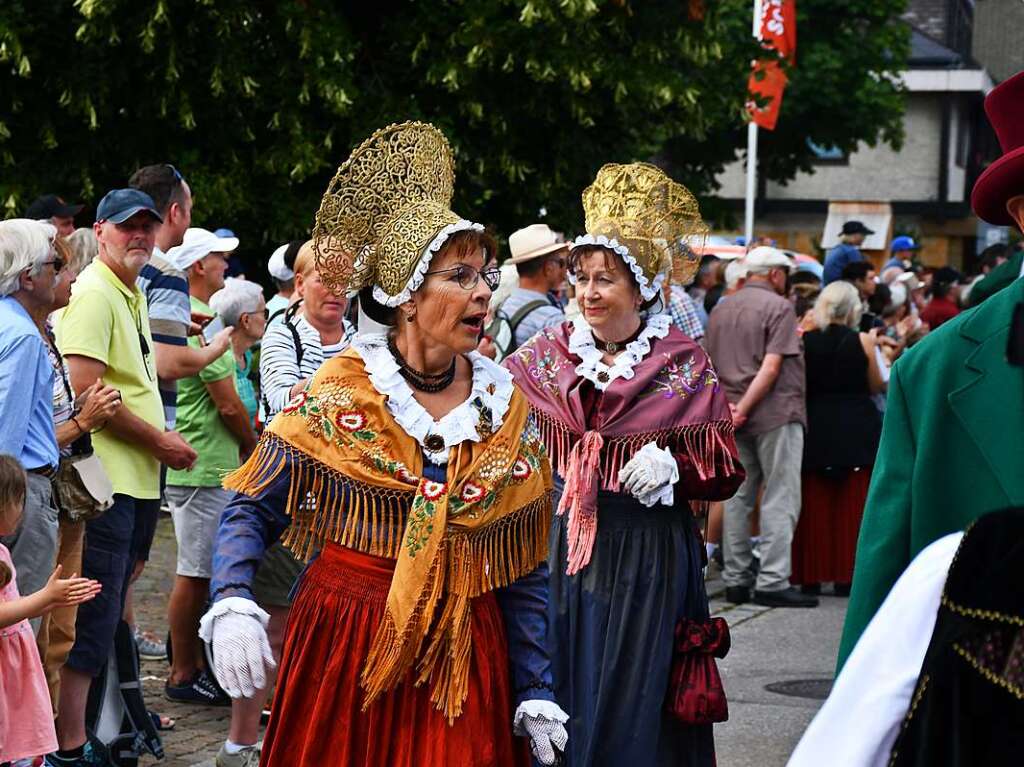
{"x":355,"y":481}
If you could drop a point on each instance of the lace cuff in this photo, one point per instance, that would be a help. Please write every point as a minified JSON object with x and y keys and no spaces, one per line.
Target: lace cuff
{"x":237,"y":605}
{"x":543,"y":709}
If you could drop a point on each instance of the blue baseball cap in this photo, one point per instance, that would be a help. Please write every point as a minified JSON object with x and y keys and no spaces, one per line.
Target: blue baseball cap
{"x":903,"y":243}
{"x":223,"y":232}
{"x":118,"y":205}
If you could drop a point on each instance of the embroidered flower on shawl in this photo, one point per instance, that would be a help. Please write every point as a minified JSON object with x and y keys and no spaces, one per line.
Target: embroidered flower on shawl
{"x":521,"y":470}
{"x":542,"y":368}
{"x":681,"y":380}
{"x":406,"y":476}
{"x":350,"y":420}
{"x":471,"y":492}
{"x":432,"y":490}
{"x":296,"y":402}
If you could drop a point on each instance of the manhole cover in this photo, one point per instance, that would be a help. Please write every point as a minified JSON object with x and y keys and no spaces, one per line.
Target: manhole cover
{"x":818,"y":689}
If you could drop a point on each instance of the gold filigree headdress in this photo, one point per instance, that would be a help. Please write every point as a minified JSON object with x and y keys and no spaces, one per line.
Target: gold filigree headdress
{"x":386,"y":213}
{"x":648,"y":219}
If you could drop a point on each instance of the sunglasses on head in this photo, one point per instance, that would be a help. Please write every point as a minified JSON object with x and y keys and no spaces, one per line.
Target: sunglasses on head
{"x":177,"y":173}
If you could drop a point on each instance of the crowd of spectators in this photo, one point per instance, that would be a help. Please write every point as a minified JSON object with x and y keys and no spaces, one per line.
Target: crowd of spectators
{"x":128,"y":343}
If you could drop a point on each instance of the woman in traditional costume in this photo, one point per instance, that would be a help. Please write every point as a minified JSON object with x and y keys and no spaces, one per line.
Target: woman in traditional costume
{"x":411,"y":473}
{"x":638,"y":430}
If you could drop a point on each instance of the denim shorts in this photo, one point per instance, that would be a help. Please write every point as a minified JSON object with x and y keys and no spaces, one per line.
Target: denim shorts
{"x":113,"y":542}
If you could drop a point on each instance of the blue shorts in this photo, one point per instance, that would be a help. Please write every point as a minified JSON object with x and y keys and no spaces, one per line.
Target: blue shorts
{"x":113,"y":542}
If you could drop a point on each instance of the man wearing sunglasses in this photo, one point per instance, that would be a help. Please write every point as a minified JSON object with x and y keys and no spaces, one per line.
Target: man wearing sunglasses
{"x":105,"y":334}
{"x":541,"y":261}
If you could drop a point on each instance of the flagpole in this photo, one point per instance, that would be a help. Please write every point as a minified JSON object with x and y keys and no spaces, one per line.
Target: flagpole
{"x":748,"y":225}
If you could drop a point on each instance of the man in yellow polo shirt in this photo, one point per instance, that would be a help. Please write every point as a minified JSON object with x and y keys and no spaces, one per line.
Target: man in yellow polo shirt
{"x":104,"y":334}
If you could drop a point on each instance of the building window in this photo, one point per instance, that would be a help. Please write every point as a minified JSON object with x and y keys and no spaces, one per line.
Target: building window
{"x":827,"y":155}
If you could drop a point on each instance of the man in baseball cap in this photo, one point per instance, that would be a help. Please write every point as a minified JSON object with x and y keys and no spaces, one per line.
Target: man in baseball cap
{"x":541,"y":259}
{"x":903,"y":249}
{"x":281,"y":267}
{"x":120,"y":205}
{"x":851,"y":237}
{"x":52,"y":208}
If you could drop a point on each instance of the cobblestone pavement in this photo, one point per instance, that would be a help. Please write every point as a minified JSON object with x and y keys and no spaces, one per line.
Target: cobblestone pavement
{"x":200,"y":729}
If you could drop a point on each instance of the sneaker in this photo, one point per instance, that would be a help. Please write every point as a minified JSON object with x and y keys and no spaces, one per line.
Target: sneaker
{"x":790,"y":597}
{"x":247,"y":757}
{"x":202,"y":689}
{"x":150,"y":648}
{"x":94,"y":755}
{"x":737,"y":595}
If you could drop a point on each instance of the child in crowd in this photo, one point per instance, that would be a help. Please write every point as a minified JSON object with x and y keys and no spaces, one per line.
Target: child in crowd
{"x":26,"y":718}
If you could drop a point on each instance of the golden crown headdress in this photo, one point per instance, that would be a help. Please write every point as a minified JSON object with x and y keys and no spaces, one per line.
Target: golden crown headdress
{"x":648,"y":219}
{"x":386,"y":212}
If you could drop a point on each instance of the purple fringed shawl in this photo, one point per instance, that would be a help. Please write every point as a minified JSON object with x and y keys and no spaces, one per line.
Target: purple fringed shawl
{"x":673,"y":399}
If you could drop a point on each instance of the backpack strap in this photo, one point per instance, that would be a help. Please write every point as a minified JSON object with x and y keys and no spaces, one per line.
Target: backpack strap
{"x":522,"y":313}
{"x":289,"y":315}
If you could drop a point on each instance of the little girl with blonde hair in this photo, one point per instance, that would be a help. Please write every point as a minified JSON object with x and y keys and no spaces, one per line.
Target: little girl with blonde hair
{"x":26,"y":718}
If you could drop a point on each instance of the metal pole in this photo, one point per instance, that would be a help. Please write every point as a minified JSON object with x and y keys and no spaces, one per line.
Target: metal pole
{"x":748,"y":224}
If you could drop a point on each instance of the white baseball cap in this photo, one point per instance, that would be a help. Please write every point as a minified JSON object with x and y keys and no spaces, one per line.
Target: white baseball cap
{"x":199,"y":243}
{"x":277,"y":267}
{"x":766,"y":257}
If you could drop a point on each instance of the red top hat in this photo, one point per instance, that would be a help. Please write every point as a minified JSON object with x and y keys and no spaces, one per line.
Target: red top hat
{"x":1004,"y":178}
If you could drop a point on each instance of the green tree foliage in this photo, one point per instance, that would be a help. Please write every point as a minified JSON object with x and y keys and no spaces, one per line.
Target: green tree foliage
{"x":258,"y":101}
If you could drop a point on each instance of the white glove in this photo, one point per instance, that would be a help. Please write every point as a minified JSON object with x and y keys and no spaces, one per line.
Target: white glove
{"x":543,"y":722}
{"x":236,"y":627}
{"x":650,"y":474}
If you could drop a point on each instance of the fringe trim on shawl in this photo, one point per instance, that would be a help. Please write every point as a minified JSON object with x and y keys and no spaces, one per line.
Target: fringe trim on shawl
{"x":577,"y":500}
{"x":324,"y":504}
{"x":467,"y":565}
{"x":701,"y":442}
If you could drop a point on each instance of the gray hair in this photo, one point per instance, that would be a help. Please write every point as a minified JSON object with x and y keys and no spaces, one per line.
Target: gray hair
{"x":236,"y":298}
{"x":838,"y":304}
{"x":734,"y":272}
{"x":24,"y":244}
{"x":84,"y":247}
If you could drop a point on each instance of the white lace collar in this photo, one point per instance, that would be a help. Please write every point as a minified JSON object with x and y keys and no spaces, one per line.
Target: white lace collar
{"x":489,"y":399}
{"x":581,"y":343}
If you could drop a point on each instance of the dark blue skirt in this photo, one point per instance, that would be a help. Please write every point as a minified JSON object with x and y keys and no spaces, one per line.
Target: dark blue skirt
{"x":612,"y":627}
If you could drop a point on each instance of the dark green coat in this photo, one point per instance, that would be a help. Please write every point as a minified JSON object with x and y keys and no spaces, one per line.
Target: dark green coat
{"x":1000,"y":277}
{"x":952,"y":449}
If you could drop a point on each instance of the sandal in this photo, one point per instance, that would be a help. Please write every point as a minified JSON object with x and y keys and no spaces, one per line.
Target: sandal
{"x":161,"y":722}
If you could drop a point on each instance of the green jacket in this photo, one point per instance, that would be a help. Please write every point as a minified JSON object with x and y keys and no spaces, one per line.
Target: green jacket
{"x":997,"y":279}
{"x":952,"y":449}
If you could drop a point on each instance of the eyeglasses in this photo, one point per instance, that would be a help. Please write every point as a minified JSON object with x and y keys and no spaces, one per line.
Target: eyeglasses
{"x":57,"y":263}
{"x":468,"y":277}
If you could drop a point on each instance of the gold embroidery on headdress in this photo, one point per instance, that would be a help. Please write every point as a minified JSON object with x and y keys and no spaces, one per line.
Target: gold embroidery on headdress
{"x":657,"y":219}
{"x":377,"y":214}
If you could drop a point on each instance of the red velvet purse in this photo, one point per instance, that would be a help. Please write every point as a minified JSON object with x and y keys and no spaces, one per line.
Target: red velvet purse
{"x":695,"y":692}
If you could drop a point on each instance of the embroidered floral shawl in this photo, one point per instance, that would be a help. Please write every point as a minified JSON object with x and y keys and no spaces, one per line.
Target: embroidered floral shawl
{"x":670,"y":396}
{"x":355,"y":481}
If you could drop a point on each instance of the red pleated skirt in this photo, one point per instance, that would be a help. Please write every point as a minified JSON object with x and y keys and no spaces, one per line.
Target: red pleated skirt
{"x":316,"y":715}
{"x":825,"y":540}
